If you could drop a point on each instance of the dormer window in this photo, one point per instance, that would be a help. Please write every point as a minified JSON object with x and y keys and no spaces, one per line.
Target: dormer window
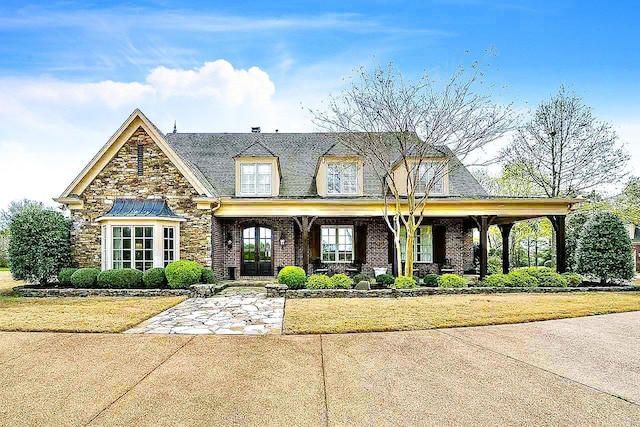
{"x":342,"y":178}
{"x":431,"y":178}
{"x":255,"y":179}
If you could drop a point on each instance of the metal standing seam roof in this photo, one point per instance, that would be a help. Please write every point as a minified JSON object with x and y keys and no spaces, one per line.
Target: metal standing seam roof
{"x":298,"y":153}
{"x":132,"y":208}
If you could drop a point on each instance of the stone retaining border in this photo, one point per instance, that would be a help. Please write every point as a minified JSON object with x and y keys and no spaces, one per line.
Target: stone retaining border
{"x":85,"y":292}
{"x":278,"y":290}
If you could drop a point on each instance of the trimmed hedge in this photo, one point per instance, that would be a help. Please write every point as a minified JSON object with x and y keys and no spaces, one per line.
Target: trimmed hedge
{"x":545,"y":276}
{"x":404,"y":282}
{"x":319,"y":281}
{"x":154,"y":278}
{"x":385,"y":279}
{"x":183,"y":273}
{"x":120,"y":278}
{"x":361,"y":278}
{"x":207,"y":277}
{"x":497,"y":280}
{"x":85,"y":278}
{"x":292,"y":276}
{"x":573,"y":279}
{"x":452,"y":281}
{"x":64,"y":277}
{"x":522,"y":279}
{"x":340,"y":281}
{"x":431,"y":280}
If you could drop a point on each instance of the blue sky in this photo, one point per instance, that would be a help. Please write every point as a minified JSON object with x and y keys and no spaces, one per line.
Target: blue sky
{"x":71,"y":72}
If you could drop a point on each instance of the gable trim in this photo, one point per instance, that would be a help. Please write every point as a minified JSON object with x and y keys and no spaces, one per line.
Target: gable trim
{"x":115,"y":143}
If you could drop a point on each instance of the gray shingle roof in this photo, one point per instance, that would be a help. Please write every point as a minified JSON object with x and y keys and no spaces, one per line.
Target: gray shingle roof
{"x":212,"y":154}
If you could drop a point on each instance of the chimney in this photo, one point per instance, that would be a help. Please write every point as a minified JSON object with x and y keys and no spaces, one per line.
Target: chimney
{"x":255,"y":129}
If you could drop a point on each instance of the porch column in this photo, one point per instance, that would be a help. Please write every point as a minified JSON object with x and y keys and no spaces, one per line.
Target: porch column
{"x":305,"y":226}
{"x":505,"y":230}
{"x":484,"y":253}
{"x":558,"y":222}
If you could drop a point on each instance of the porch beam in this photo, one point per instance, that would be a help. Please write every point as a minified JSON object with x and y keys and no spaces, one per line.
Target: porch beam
{"x":505,"y":231}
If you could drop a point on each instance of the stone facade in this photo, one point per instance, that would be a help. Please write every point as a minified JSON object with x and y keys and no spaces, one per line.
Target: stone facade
{"x":276,"y":290}
{"x":160,"y":179}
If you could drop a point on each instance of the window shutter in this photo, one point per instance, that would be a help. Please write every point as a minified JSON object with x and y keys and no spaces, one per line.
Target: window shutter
{"x":314,"y":242}
{"x":439,"y":244}
{"x":391,"y":247}
{"x":361,"y":243}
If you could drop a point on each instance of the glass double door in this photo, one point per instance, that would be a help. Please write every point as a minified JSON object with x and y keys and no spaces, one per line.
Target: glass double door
{"x":256,"y":252}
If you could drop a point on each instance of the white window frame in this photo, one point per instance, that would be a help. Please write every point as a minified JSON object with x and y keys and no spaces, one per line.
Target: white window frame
{"x":426,"y":180}
{"x":170,"y":251}
{"x":422,"y":250}
{"x":255,"y":177}
{"x":342,"y":178}
{"x":336,"y":252}
{"x":146,"y":263}
{"x":158,"y":225}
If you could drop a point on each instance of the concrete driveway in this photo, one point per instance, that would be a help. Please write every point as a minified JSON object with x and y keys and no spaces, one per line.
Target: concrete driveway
{"x":567,"y":372}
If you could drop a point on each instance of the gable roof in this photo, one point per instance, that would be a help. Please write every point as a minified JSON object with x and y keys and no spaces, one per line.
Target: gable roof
{"x":298,"y":155}
{"x":137,"y":119}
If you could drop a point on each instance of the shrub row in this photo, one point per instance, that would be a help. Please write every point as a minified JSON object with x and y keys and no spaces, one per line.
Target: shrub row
{"x":178,"y":274}
{"x":532,"y":277}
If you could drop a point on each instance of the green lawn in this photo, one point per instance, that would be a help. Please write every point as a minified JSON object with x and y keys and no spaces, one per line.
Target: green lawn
{"x":4,"y":268}
{"x":342,"y":315}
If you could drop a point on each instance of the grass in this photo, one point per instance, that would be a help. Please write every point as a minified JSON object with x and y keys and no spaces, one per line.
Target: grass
{"x":4,"y":268}
{"x":91,"y":314}
{"x":337,"y":315}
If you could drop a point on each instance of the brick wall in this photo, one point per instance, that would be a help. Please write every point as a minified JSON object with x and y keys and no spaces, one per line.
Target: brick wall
{"x":119,"y":179}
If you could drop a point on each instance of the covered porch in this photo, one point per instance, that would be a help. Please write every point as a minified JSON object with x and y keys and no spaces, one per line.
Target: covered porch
{"x":350,"y":235}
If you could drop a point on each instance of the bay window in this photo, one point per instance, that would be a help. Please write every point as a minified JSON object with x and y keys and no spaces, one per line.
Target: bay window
{"x":132,"y":247}
{"x":336,"y":244}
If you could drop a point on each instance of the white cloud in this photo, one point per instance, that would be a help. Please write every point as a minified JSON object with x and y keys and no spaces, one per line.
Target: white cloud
{"x":51,"y":128}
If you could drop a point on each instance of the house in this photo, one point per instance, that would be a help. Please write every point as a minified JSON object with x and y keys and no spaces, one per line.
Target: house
{"x":248,"y":204}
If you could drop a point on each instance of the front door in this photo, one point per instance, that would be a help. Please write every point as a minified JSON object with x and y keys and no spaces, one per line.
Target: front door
{"x":256,"y":252}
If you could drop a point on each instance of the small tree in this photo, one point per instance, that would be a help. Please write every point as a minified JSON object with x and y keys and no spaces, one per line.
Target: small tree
{"x":39,"y":246}
{"x":575,"y":223}
{"x":14,"y":208}
{"x":4,"y":248}
{"x":424,"y":129}
{"x":604,"y":249}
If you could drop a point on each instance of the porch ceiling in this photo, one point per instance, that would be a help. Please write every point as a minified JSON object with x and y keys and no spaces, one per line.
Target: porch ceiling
{"x":505,"y":210}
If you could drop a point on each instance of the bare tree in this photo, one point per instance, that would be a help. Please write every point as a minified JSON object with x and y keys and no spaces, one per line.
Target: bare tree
{"x":565,"y":150}
{"x":412,"y":134}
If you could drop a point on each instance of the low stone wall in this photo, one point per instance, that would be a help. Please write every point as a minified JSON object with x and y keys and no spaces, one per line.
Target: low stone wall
{"x":206,"y":291}
{"x":278,"y":290}
{"x":83,"y":292}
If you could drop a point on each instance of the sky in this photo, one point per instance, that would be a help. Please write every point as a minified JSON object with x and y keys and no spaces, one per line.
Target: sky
{"x":72,"y":71}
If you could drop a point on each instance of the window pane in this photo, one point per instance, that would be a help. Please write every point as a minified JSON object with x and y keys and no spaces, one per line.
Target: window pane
{"x":148,"y":232}
{"x":138,"y":231}
{"x":126,"y":231}
{"x":117,"y":231}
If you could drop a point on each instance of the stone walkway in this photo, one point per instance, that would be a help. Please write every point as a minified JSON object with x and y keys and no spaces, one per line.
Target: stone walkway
{"x":236,"y":311}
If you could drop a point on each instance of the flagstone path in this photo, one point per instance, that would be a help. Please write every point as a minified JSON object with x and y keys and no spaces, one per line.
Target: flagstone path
{"x":237,"y":311}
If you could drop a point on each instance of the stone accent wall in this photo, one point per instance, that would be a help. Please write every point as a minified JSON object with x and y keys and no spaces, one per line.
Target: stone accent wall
{"x":160,"y":179}
{"x":278,"y":291}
